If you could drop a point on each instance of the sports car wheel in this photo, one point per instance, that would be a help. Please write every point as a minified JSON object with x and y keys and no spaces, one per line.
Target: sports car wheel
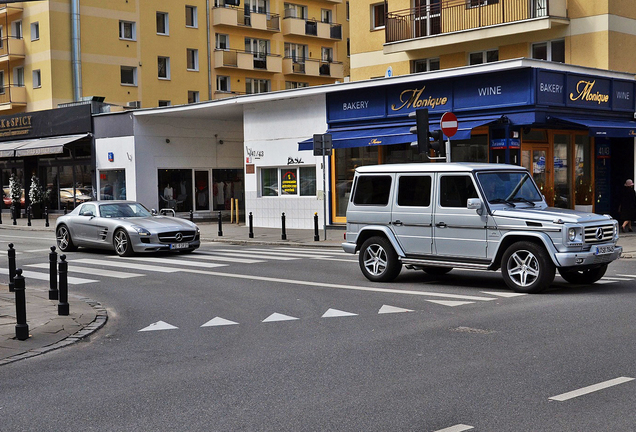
{"x":122,"y":244}
{"x":586,"y":276}
{"x":378,"y":261}
{"x":64,"y":241}
{"x":527,"y":268}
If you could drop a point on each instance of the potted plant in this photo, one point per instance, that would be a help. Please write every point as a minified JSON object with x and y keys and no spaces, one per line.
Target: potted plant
{"x":15,"y":192}
{"x":36,"y":197}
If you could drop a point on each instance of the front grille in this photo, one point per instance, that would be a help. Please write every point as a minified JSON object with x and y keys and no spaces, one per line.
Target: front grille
{"x":591,"y":234}
{"x":171,"y":237}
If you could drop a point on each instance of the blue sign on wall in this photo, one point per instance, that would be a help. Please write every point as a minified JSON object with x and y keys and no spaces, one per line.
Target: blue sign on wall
{"x":551,"y":88}
{"x":436,"y":96}
{"x":494,"y":90}
{"x":623,"y":96}
{"x":589,"y":92}
{"x":365,"y":103}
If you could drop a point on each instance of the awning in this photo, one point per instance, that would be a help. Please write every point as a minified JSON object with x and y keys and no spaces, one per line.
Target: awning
{"x":366,"y":136}
{"x":603,"y":128}
{"x":37,"y":146}
{"x":465,"y":127}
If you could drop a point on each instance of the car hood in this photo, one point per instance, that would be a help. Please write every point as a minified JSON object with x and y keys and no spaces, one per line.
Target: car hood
{"x":550,"y":214}
{"x":162,"y":223}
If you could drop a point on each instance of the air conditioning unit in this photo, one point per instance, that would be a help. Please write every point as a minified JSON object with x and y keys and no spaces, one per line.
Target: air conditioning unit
{"x":133,"y":104}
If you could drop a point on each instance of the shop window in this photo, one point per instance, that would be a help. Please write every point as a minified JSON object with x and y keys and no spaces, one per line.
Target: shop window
{"x":191,"y":16}
{"x":128,"y":75}
{"x":227,"y":184}
{"x":35,"y":31}
{"x":378,"y":16}
{"x":288,"y":181}
{"x":269,"y":182}
{"x":192,"y":59}
{"x":163,"y":67}
{"x":202,"y":190}
{"x":175,"y":189}
{"x":307,"y":181}
{"x":162,"y":23}
{"x":474,"y":149}
{"x":583,"y":187}
{"x":127,"y":30}
{"x":112,"y":185}
{"x":562,"y":171}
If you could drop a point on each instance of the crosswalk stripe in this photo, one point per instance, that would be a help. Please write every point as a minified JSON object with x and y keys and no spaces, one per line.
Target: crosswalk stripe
{"x":91,"y":270}
{"x":254,"y":255}
{"x":204,"y":256}
{"x":320,"y":251}
{"x":177,"y":262}
{"x":126,"y":265}
{"x":45,"y":276}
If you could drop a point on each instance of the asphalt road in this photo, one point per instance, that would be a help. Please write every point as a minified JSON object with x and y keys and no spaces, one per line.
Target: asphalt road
{"x":269,"y":338}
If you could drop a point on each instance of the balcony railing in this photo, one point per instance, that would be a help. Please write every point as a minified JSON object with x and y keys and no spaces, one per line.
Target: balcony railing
{"x":248,"y":60}
{"x":12,"y":94}
{"x":457,"y":15}
{"x":238,"y":16}
{"x":305,"y":27}
{"x":11,"y":46}
{"x":312,"y":67}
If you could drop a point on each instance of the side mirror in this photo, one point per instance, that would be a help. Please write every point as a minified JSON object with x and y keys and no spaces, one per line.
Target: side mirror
{"x":474,"y":203}
{"x":154,"y":212}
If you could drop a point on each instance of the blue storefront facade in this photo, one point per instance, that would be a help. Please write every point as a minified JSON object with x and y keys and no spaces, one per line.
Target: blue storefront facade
{"x":573,"y":128}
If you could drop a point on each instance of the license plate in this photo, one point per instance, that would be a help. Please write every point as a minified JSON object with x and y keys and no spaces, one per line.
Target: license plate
{"x":603,"y":250}
{"x":179,"y":245}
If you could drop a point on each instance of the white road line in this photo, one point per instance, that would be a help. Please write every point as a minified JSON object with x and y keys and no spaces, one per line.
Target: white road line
{"x":616,"y":278}
{"x":629,"y":276}
{"x":177,"y":262}
{"x":290,"y":253}
{"x":91,"y":270}
{"x":590,"y":389}
{"x":456,"y":428}
{"x":252,"y":255}
{"x":45,"y":276}
{"x":318,"y":250}
{"x":336,"y":259}
{"x":337,"y":286}
{"x":38,"y":251}
{"x":222,"y":258}
{"x":25,"y":237}
{"x":126,"y":265}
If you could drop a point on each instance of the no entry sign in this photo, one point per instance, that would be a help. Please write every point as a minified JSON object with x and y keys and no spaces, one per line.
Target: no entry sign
{"x":448,"y":123}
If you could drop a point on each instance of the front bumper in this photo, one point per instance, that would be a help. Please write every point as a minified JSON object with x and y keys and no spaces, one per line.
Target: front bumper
{"x":578,"y":259}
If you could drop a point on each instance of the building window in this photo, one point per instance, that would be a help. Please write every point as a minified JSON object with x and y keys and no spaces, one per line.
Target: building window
{"x":1,"y":82}
{"x":476,"y":3}
{"x":1,"y":36}
{"x":222,"y":41}
{"x":193,"y":96}
{"x":348,"y":47}
{"x":253,"y":86}
{"x":551,"y":51}
{"x":326,"y":15}
{"x":162,"y":23}
{"x":35,"y":31}
{"x":129,"y":75}
{"x":425,"y":65}
{"x":294,"y":85}
{"x":112,"y":184}
{"x":347,"y":10}
{"x":163,"y":103}
{"x":127,"y":30}
{"x":483,"y":57}
{"x":17,"y":29}
{"x":163,"y":67}
{"x":223,"y":83}
{"x":296,"y":52}
{"x":327,"y":54}
{"x":191,"y":16}
{"x":18,"y":76}
{"x":269,"y":182}
{"x":378,"y":13}
{"x":193,"y":59}
{"x":295,"y":11}
{"x":37,"y":79}
{"x":307,"y":181}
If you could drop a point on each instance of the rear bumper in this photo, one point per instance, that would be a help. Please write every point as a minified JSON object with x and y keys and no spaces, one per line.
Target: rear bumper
{"x":349,"y":247}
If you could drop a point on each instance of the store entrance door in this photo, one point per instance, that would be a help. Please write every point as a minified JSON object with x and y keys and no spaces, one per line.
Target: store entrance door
{"x":537,"y":158}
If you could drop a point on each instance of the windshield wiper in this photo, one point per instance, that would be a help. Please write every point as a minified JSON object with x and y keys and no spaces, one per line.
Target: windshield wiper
{"x":525,"y":200}
{"x":502,"y":201}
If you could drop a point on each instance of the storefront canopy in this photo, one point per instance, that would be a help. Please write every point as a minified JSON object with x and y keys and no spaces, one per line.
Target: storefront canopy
{"x":37,"y":146}
{"x":603,"y":128}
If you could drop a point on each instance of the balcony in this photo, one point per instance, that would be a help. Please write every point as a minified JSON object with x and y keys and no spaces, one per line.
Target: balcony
{"x":304,"y":27}
{"x":237,"y":17}
{"x":218,"y":94}
{"x":446,"y":23}
{"x":12,"y":97}
{"x":246,"y":60}
{"x":13,"y":10}
{"x":313,"y":68}
{"x":11,"y":48}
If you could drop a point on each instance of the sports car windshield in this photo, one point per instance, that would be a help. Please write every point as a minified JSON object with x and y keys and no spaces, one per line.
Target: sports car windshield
{"x":123,"y":210}
{"x":509,"y":188}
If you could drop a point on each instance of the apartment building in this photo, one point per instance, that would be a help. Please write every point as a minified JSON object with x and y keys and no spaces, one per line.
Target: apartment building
{"x":148,"y":53}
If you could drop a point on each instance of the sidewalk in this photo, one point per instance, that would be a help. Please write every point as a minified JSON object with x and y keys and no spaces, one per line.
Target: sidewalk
{"x":48,"y":331}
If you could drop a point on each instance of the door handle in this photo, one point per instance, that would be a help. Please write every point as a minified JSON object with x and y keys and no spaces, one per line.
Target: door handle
{"x":398,"y":223}
{"x":441,"y":225}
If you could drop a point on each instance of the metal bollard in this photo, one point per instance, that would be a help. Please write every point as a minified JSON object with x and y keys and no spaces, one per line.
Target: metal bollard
{"x":21,"y":328}
{"x":11,"y":267}
{"x":65,"y":210}
{"x":46,"y":216}
{"x":316,"y":235}
{"x":13,"y":215}
{"x":251,"y":222}
{"x":28,"y":212}
{"x":283,"y":235}
{"x":62,"y":306}
{"x":220,"y":225}
{"x":1,"y":207}
{"x":191,"y":216}
{"x":53,"y":293}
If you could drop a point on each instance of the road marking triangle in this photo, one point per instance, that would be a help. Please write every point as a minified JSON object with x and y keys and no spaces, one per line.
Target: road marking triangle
{"x":503,"y":294}
{"x":386,"y":309}
{"x":332,"y":313}
{"x":218,"y":321}
{"x":159,"y":325}
{"x":450,"y":303}
{"x":279,"y":317}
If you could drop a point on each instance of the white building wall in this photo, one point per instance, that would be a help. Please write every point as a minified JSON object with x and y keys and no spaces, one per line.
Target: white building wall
{"x":123,"y":149}
{"x":272,"y":131}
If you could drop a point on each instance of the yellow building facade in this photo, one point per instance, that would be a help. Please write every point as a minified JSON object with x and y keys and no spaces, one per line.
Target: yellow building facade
{"x":420,"y":35}
{"x":146,"y":53}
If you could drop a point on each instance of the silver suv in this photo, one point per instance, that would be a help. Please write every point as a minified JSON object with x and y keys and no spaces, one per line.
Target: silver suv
{"x":437,"y":216}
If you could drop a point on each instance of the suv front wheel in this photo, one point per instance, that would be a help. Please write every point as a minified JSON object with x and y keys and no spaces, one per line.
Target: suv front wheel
{"x":378,"y":260}
{"x":527,"y":268}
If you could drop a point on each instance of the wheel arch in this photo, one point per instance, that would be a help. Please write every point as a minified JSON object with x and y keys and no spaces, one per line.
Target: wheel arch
{"x":509,"y":239}
{"x":381,"y":231}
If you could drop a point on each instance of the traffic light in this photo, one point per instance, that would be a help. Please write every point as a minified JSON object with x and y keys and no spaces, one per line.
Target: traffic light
{"x":424,"y":143}
{"x":438,"y":142}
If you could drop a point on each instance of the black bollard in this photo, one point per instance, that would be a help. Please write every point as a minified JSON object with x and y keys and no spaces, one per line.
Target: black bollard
{"x":65,"y":210}
{"x":11,"y":267}
{"x":13,"y":214}
{"x":21,"y":328}
{"x":28,"y":212}
{"x":283,"y":235}
{"x":316,"y":235}
{"x":62,"y":306}
{"x":1,"y":206}
{"x":46,"y":216}
{"x":251,"y":219}
{"x":191,"y":216}
{"x":220,"y":225}
{"x":53,"y":293}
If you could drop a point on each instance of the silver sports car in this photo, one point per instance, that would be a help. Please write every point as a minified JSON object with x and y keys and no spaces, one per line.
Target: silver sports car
{"x":125,"y":227}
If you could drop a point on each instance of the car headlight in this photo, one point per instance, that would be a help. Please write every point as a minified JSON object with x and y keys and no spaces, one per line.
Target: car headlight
{"x":571,"y":234}
{"x":141,"y":231}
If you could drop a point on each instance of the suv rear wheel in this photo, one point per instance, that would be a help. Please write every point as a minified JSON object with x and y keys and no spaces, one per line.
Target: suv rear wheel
{"x":527,"y":268}
{"x":585,"y":276}
{"x":378,"y":260}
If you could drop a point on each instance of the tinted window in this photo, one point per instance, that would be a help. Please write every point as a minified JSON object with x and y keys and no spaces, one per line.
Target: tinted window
{"x":414,"y":191}
{"x":455,"y":191}
{"x":88,"y":208}
{"x":372,"y":190}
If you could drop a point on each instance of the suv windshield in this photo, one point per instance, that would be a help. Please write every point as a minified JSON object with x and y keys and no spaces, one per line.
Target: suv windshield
{"x":509,"y":187}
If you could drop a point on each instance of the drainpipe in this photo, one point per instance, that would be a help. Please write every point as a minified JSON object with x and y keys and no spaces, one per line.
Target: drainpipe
{"x":207,"y":16}
{"x":76,"y":53}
